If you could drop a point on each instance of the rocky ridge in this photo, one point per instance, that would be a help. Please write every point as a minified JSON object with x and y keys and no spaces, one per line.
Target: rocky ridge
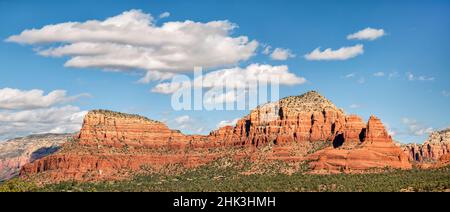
{"x":111,"y":144}
{"x":17,"y":152}
{"x":308,"y":117}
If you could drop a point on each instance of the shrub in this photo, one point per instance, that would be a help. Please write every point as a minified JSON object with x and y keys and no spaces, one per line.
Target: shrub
{"x":17,"y":185}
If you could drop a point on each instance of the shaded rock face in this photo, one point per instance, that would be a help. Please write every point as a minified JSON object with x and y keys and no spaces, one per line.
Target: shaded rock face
{"x":436,"y":146}
{"x":110,"y":143}
{"x":17,"y":152}
{"x":375,"y":150}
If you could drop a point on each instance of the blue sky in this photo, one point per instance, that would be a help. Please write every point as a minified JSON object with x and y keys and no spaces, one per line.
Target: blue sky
{"x":412,"y":97}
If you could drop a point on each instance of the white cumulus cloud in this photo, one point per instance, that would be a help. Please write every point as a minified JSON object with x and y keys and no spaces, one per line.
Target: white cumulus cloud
{"x":25,"y":112}
{"x":132,"y":40}
{"x":367,"y":34}
{"x":244,"y":79}
{"x":343,"y":53}
{"x":65,"y":119}
{"x":236,"y":77}
{"x":15,"y":99}
{"x":281,"y":54}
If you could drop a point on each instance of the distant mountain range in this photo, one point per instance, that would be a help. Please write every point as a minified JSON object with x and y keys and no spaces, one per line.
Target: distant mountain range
{"x":17,"y":152}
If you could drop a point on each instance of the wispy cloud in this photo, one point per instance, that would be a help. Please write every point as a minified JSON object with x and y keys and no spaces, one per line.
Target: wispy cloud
{"x":379,"y":74}
{"x":367,"y":34}
{"x":182,"y":119}
{"x":155,"y":76}
{"x":391,"y":131}
{"x":187,"y":123}
{"x":361,"y":80}
{"x":354,"y":106}
{"x":351,"y":75}
{"x":343,"y":53}
{"x":164,"y":15}
{"x":392,"y":75}
{"x":267,"y":49}
{"x":411,"y":77}
{"x":278,"y":53}
{"x":414,"y":128}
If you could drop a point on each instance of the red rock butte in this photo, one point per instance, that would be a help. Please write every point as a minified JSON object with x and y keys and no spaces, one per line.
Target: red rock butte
{"x":375,"y":150}
{"x":435,"y":149}
{"x":111,"y":143}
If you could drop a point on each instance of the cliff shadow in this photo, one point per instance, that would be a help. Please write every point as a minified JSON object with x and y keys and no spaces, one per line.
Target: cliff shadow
{"x":247,"y":127}
{"x":42,"y":152}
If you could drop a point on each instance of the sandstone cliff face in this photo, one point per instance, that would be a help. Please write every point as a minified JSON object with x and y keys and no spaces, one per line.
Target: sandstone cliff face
{"x":108,"y":166}
{"x":431,"y":151}
{"x":306,"y":118}
{"x":17,"y":152}
{"x":444,"y":160}
{"x":119,"y":130}
{"x":376,"y":150}
{"x":110,"y":143}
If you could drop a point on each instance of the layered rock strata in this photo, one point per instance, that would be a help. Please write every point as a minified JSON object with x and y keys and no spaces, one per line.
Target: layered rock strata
{"x":376,"y":150}
{"x":306,"y":118}
{"x":110,"y":143}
